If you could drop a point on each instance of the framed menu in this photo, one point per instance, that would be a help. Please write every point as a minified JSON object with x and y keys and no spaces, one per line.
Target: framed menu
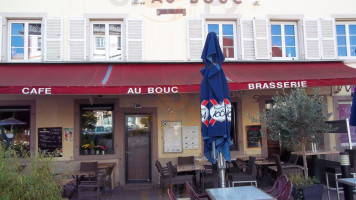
{"x":50,"y":139}
{"x":191,"y":137}
{"x":172,"y":136}
{"x":253,"y":136}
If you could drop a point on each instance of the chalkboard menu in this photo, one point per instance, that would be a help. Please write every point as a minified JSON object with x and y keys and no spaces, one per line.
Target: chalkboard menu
{"x":253,"y":136}
{"x":50,"y":139}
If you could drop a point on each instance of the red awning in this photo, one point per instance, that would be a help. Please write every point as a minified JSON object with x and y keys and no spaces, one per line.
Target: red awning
{"x":156,"y":78}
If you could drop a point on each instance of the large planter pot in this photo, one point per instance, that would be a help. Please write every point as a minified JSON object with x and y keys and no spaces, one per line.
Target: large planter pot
{"x":92,"y":151}
{"x":314,"y":192}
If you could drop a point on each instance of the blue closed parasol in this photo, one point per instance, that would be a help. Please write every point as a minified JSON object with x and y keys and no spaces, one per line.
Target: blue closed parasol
{"x":215,"y":104}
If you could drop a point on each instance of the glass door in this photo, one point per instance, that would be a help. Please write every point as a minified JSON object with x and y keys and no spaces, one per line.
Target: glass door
{"x":138,"y":148}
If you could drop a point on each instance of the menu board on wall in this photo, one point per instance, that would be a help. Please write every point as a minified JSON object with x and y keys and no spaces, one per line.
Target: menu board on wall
{"x":190,"y":137}
{"x":253,"y":136}
{"x":172,"y":136}
{"x":50,"y":139}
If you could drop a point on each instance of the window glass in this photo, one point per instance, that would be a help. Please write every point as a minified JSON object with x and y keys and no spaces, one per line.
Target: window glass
{"x":96,"y":129}
{"x":17,"y":136}
{"x":26,"y":41}
{"x":346,"y":39}
{"x":283,"y":37}
{"x":226,"y":36}
{"x":107,"y":41}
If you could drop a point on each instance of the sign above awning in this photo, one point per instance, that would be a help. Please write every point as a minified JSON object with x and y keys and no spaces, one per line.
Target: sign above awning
{"x":165,"y":78}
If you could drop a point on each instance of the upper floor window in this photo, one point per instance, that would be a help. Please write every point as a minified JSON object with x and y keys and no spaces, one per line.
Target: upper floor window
{"x":25,"y":41}
{"x":284,"y":40}
{"x":226,"y":32}
{"x":106,"y":41}
{"x":346,"y":39}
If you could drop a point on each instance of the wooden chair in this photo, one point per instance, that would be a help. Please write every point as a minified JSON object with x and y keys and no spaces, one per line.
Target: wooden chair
{"x":175,"y":179}
{"x":89,"y":167}
{"x":245,"y":177}
{"x":90,"y":189}
{"x":208,"y":176}
{"x":193,"y":195}
{"x":278,"y":186}
{"x":164,"y":174}
{"x":285,"y":169}
{"x":185,"y":160}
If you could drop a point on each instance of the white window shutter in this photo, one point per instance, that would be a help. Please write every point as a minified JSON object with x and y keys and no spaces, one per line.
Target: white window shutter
{"x":134,"y":39}
{"x":0,"y":38}
{"x":76,"y":39}
{"x":53,"y":39}
{"x":247,"y":37}
{"x":328,"y":41}
{"x":262,"y":49}
{"x":195,"y":38}
{"x":311,"y":39}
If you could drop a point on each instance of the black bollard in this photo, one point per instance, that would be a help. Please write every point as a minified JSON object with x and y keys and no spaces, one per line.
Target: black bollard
{"x":345,"y":172}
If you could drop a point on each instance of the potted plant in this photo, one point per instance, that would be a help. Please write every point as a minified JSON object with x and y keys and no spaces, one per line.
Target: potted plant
{"x":296,"y":119}
{"x":85,"y":148}
{"x":103,"y":149}
{"x":92,"y":146}
{"x":97,"y":149}
{"x":306,"y":189}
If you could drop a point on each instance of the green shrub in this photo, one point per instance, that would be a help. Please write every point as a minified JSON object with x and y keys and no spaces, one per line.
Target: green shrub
{"x":34,"y":181}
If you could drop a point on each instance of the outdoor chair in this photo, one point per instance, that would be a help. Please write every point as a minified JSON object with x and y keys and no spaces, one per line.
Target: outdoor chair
{"x":285,"y":169}
{"x":89,"y":189}
{"x":185,"y":160}
{"x":287,"y":191}
{"x":278,"y":186}
{"x":89,"y":167}
{"x":164,"y":174}
{"x":335,"y":172}
{"x":245,"y":177}
{"x":171,"y":195}
{"x":208,"y":176}
{"x":175,"y":179}
{"x":193,"y":195}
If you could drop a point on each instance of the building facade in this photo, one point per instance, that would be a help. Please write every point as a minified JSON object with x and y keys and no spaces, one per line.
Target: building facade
{"x":125,"y":74}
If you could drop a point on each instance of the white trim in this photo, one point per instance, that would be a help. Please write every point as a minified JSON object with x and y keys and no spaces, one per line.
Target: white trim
{"x":26,"y":23}
{"x":283,"y":24}
{"x":77,"y":38}
{"x":311,"y":29}
{"x":195,"y":36}
{"x":220,"y":38}
{"x":247,"y":39}
{"x":261,"y":39}
{"x":106,"y":39}
{"x":53,"y":39}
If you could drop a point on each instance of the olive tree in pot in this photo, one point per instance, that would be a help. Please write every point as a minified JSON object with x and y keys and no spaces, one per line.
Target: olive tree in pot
{"x":296,"y":119}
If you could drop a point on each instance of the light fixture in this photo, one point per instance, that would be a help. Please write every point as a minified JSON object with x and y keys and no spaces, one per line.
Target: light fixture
{"x":256,"y":2}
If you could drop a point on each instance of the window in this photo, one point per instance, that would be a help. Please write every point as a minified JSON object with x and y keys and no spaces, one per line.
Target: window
{"x":226,"y":32}
{"x":16,"y":135}
{"x":25,"y":40}
{"x":284,"y":40}
{"x":106,"y":40}
{"x":96,"y":127}
{"x":346,"y":39}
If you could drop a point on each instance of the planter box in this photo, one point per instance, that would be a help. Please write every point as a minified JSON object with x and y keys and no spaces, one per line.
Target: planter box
{"x":314,"y":192}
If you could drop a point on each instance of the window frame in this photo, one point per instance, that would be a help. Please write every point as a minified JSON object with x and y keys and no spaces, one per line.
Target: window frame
{"x":283,"y":24}
{"x":93,"y":41}
{"x":220,"y":38}
{"x":347,"y":35}
{"x":26,"y":34}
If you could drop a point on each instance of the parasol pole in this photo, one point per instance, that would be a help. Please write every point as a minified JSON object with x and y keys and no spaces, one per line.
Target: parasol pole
{"x":222,"y":168}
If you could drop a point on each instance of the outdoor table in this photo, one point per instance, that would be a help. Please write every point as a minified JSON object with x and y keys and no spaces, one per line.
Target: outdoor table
{"x":77,"y":175}
{"x":263,"y":171}
{"x":108,"y":167}
{"x":238,"y":193}
{"x":196,"y":168}
{"x":315,"y":161}
{"x":347,"y":181}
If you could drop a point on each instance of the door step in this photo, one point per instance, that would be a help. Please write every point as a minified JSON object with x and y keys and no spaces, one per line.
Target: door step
{"x":138,"y":186}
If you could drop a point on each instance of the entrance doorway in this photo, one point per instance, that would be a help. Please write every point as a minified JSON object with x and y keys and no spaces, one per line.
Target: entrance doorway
{"x":138,"y":148}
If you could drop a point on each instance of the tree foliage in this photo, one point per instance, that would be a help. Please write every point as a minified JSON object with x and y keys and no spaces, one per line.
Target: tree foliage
{"x":34,"y":180}
{"x":296,"y":118}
